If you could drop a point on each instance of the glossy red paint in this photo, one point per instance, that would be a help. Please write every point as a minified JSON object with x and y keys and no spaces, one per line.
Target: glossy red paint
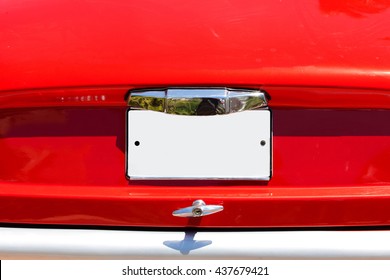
{"x":153,"y":43}
{"x":151,"y":206}
{"x":67,"y":67}
{"x":67,"y":167}
{"x":282,"y":97}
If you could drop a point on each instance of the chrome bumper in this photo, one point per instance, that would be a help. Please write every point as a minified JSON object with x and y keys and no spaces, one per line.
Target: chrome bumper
{"x":31,"y":243}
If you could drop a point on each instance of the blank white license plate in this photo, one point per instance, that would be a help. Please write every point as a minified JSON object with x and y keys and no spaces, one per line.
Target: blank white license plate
{"x":232,"y":146}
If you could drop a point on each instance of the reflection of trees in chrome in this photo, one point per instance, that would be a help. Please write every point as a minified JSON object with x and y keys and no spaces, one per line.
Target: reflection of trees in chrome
{"x":154,"y":104}
{"x":354,"y":8}
{"x":183,"y":106}
{"x":204,"y":106}
{"x":212,"y":106}
{"x":238,"y":104}
{"x":196,"y":106}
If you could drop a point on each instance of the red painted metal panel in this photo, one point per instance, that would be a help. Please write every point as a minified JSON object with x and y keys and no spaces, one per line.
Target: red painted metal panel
{"x":152,"y":43}
{"x":281,"y":97}
{"x":66,"y":166}
{"x":85,"y":146}
{"x":67,"y":66}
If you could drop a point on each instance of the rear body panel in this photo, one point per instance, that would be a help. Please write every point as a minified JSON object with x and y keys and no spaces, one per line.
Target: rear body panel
{"x":67,"y":68}
{"x":67,"y":166}
{"x":228,"y":43}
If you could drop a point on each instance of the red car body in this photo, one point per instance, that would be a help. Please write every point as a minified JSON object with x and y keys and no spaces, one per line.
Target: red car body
{"x":67,"y":67}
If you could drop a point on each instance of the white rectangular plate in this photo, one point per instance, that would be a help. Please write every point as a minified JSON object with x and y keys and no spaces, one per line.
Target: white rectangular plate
{"x":199,"y":147}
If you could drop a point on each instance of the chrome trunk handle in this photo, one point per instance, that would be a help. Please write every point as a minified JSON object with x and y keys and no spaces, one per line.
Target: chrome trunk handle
{"x":198,"y":209}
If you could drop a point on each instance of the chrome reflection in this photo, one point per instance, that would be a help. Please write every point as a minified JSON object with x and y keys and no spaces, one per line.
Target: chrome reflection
{"x":150,"y":100}
{"x":197,"y":102}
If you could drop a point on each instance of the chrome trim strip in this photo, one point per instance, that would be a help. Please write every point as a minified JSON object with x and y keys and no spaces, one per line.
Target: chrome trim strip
{"x":197,"y":101}
{"x":29,"y":243}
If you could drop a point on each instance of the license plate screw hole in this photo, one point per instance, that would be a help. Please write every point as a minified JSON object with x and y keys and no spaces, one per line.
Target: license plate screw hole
{"x":137,"y":143}
{"x":262,"y":142}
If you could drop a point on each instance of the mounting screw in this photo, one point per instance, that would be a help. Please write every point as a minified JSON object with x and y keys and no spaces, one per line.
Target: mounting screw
{"x":262,"y":142}
{"x":136,"y":143}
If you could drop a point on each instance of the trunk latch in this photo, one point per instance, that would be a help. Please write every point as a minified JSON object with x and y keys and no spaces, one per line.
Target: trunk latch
{"x":198,"y":209}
